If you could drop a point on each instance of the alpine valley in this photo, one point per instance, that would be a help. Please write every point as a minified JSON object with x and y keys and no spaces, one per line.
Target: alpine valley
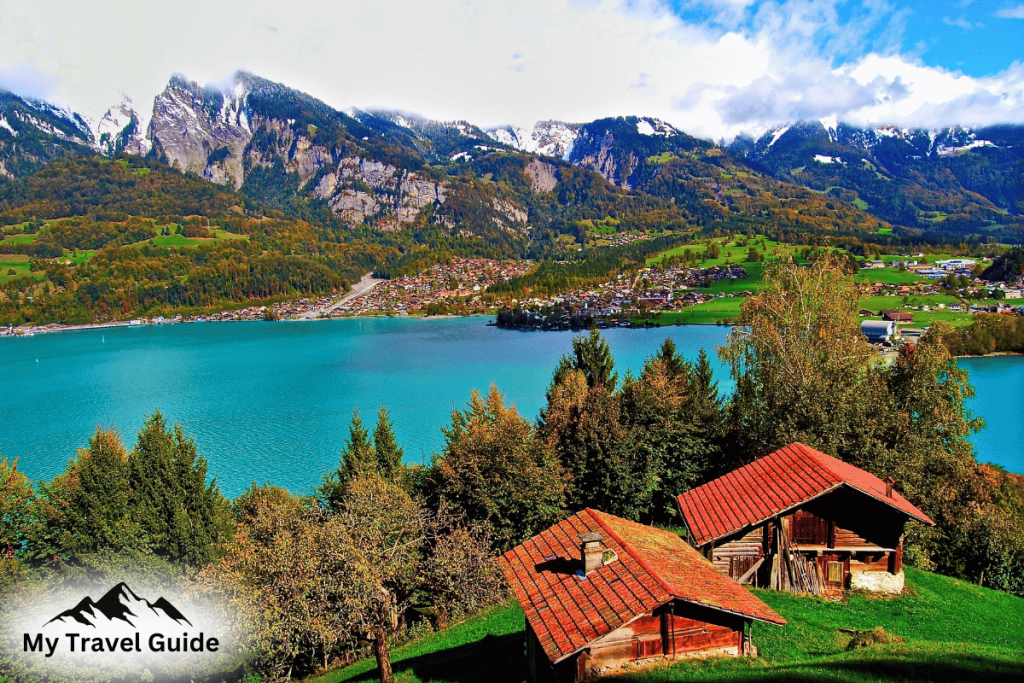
{"x":217,"y":197}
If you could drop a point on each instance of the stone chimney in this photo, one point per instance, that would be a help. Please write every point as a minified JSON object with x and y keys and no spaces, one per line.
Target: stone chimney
{"x":590,"y":551}
{"x":888,"y":486}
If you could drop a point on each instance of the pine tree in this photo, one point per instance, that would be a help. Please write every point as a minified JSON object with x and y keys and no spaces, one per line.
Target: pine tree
{"x":387,"y":453}
{"x":674,"y":365}
{"x":86,"y":509}
{"x":183,"y":518}
{"x":591,"y":356}
{"x":357,"y":460}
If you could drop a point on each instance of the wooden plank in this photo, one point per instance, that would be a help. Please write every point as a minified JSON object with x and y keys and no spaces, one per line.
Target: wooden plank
{"x":750,"y":572}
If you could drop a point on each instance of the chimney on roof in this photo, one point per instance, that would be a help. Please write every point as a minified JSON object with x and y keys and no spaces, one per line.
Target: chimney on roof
{"x":590,"y":551}
{"x":888,"y":486}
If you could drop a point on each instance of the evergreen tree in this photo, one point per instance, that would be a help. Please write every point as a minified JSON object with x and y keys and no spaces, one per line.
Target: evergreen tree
{"x":387,"y":453}
{"x":581,"y":425}
{"x":673,"y":364}
{"x":357,"y":460}
{"x":591,"y":356}
{"x":154,"y":500}
{"x":86,"y":509}
{"x":496,"y":471}
{"x":184,"y":518}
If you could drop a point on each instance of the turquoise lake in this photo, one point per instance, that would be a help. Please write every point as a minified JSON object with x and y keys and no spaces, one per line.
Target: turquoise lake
{"x":272,"y":402}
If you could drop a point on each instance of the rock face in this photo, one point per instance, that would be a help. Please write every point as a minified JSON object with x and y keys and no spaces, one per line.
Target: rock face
{"x":225,"y":135}
{"x":543,"y":176}
{"x":358,"y":189}
{"x":121,"y":130}
{"x":877,"y":582}
{"x":201,"y":130}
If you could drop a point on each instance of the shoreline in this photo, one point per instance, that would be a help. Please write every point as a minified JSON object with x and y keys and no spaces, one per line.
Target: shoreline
{"x":53,"y":328}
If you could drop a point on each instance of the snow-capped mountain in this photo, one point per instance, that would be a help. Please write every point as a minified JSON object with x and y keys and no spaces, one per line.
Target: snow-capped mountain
{"x":914,"y":143}
{"x":33,"y":133}
{"x":550,"y":138}
{"x":121,"y":129}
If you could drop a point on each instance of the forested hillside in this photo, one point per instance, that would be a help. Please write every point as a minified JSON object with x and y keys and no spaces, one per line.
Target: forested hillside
{"x":259,"y":191}
{"x":949,"y":184}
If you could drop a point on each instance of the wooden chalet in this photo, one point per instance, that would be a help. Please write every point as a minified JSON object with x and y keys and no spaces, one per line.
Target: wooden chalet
{"x":898,"y":316}
{"x":802,"y":521}
{"x":599,"y":591}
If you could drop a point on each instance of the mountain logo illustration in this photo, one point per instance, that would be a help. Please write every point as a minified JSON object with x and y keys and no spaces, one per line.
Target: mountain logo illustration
{"x":120,"y":603}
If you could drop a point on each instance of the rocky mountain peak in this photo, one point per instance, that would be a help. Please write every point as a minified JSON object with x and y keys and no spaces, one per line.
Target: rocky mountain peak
{"x":203,"y":129}
{"x":550,"y":138}
{"x":121,"y":129}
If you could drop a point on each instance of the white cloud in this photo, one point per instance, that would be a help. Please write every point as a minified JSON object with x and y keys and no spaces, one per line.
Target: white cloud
{"x":495,"y":63}
{"x":1011,"y":12}
{"x":960,"y":23}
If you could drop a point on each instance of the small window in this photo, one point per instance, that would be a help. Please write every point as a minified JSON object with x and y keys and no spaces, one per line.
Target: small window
{"x":835,"y":572}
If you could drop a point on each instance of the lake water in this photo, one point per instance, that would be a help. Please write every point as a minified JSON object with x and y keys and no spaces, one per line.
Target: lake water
{"x":272,"y":402}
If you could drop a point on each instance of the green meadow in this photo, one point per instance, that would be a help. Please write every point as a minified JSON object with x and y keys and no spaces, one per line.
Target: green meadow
{"x":950,"y":631}
{"x":726,"y":309}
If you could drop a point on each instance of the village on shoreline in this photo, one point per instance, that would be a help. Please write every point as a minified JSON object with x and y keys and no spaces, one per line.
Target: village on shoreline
{"x":657,"y":295}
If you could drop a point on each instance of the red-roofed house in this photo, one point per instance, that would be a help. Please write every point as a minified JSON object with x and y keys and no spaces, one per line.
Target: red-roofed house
{"x":599,"y":591}
{"x":803,"y":521}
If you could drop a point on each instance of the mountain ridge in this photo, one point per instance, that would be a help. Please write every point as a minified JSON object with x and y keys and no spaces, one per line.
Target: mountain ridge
{"x":393,"y":170}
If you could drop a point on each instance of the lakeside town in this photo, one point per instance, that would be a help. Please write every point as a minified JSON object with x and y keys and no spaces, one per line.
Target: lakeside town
{"x":459,"y":286}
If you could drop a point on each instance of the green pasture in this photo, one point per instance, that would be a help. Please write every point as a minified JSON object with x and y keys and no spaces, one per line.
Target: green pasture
{"x":888,"y":276}
{"x":950,"y":631}
{"x":773,"y":250}
{"x":17,"y":262}
{"x":707,"y":313}
{"x":176,"y":239}
{"x":603,"y":226}
{"x":662,"y":158}
{"x":20,"y":239}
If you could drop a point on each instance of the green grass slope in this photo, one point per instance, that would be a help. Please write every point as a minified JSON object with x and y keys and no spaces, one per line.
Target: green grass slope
{"x":952,"y":631}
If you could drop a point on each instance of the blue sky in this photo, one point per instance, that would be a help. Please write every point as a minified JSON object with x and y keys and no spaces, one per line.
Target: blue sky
{"x":715,"y":68}
{"x":977,"y":37}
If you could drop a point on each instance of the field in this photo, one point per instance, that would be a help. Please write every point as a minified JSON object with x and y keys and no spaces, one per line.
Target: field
{"x":772,"y":250}
{"x":953,"y":631}
{"x":721,"y":310}
{"x":20,"y":263}
{"x":888,"y":276}
{"x":707,"y":313}
{"x":19,"y":239}
{"x":17,"y":262}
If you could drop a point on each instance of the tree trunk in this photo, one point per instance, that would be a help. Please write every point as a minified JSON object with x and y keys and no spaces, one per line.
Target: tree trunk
{"x":383,"y":654}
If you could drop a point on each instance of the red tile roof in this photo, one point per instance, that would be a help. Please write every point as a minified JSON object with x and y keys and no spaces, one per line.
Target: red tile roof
{"x":567,"y":611}
{"x":774,"y":484}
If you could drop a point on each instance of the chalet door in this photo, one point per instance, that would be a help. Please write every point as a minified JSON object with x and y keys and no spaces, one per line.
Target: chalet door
{"x":834,"y":569}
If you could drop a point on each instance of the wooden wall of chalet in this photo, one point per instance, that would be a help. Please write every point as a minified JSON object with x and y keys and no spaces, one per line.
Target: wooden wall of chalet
{"x":872,"y":520}
{"x":676,"y":630}
{"x":844,"y":519}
